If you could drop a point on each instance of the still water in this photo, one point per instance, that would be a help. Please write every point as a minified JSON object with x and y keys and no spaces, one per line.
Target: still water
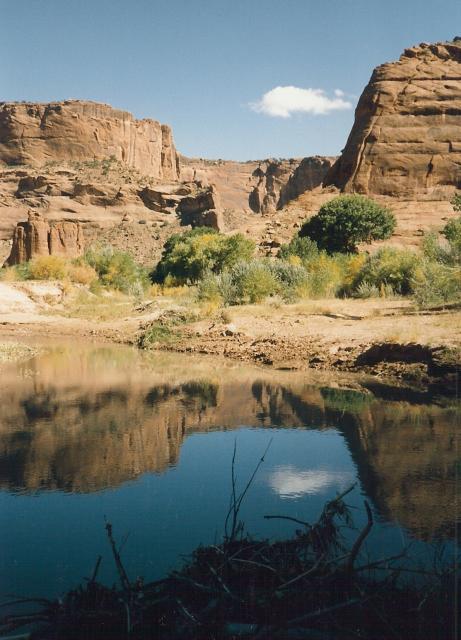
{"x":91,"y":432}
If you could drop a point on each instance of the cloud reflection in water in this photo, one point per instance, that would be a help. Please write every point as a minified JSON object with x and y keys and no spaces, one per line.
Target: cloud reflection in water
{"x":290,"y":482}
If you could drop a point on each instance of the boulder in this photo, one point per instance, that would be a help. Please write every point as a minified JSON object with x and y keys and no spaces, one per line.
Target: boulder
{"x":406,"y":138}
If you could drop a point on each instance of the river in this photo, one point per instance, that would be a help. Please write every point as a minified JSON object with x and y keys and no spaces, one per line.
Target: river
{"x":93,"y":433}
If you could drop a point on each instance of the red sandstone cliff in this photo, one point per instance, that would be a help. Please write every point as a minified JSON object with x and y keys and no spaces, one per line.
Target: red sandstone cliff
{"x":406,"y":138}
{"x":32,"y":133}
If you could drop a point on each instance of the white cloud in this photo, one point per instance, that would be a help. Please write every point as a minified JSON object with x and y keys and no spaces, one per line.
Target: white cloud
{"x":282,"y":102}
{"x":289,"y":482}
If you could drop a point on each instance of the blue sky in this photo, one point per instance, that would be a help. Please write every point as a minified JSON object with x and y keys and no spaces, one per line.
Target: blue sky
{"x":204,"y":66}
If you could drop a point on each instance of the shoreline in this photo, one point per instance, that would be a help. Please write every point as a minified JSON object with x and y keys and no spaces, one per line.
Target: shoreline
{"x":325,"y":337}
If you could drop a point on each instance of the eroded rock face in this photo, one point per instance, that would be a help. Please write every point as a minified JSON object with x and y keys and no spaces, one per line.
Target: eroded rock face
{"x":406,"y":138}
{"x":32,"y":133}
{"x":38,"y":237}
{"x":308,"y":175}
{"x":271,"y":176}
{"x":280,"y":181}
{"x":201,"y":209}
{"x":261,"y":186}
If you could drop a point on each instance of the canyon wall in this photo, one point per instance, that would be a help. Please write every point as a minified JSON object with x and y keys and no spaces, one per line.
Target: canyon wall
{"x":77,"y":130}
{"x":406,"y":138}
{"x":258,"y":186}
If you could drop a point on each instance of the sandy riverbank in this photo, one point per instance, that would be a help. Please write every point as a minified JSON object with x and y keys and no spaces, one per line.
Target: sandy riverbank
{"x":386,"y":338}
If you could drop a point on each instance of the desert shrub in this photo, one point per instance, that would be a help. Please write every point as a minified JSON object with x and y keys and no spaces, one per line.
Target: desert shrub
{"x":325,"y":275}
{"x":351,"y":266}
{"x":389,"y":267}
{"x":366,"y":290}
{"x":436,"y":283}
{"x":188,"y":256}
{"x":347,"y":220}
{"x":209,"y":289}
{"x":452,"y":233}
{"x":293,"y":279}
{"x":155,"y":334}
{"x":303,"y":248}
{"x":117,"y":269}
{"x":434,"y":250}
{"x":445,"y":247}
{"x":253,"y":281}
{"x":218,"y":288}
{"x":47,"y":268}
{"x":165,"y":329}
{"x":9,"y":274}
{"x":456,"y":202}
{"x":80,"y":272}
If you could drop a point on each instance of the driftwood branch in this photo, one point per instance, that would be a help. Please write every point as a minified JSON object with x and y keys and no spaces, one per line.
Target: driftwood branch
{"x":118,"y":561}
{"x":358,"y":543}
{"x":303,"y":522}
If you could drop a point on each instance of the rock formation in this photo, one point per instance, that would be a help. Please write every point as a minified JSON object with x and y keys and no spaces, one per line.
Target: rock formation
{"x":76,"y":130}
{"x":308,"y":175}
{"x":271,"y":176}
{"x":257,"y":185}
{"x":38,"y":237}
{"x":201,"y":209}
{"x":406,"y":138}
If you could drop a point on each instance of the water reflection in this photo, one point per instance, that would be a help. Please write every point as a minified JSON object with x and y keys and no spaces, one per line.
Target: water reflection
{"x":85,"y":419}
{"x":290,"y":482}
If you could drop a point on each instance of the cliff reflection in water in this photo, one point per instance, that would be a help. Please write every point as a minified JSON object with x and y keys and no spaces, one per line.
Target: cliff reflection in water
{"x":82,"y":420}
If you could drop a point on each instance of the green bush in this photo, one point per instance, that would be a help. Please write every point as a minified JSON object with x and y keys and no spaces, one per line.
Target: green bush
{"x":389,"y":267}
{"x":188,"y":256}
{"x":456,"y":202}
{"x":253,"y":281}
{"x":347,"y":220}
{"x":445,"y":250}
{"x":117,"y":269}
{"x":303,"y":248}
{"x":217,"y":288}
{"x":293,"y":279}
{"x":435,"y":284}
{"x":326,"y":275}
{"x":452,"y":233}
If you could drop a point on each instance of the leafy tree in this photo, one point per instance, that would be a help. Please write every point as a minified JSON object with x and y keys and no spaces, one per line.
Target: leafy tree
{"x":188,"y":256}
{"x":347,"y":220}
